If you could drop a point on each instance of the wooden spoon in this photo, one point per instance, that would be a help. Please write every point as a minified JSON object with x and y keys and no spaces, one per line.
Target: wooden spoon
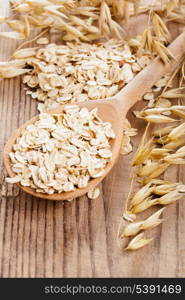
{"x":113,"y":110}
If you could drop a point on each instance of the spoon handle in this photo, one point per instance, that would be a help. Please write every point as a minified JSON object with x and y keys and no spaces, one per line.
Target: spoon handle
{"x":150,"y":75}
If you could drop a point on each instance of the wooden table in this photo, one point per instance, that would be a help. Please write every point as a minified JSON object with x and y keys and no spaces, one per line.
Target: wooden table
{"x":41,"y":238}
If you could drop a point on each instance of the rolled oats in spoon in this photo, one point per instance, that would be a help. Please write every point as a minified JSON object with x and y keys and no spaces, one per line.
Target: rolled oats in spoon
{"x":62,"y":152}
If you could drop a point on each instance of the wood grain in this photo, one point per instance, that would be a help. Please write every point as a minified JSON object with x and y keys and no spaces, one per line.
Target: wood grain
{"x":40,"y":238}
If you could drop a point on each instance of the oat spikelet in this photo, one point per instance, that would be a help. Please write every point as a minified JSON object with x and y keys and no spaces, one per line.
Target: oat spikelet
{"x":158,"y":119}
{"x":10,"y":73}
{"x":106,"y":24}
{"x":139,"y":153}
{"x":163,"y":189}
{"x":170,"y":197}
{"x":178,"y":113}
{"x":143,"y":193}
{"x":158,"y":153}
{"x":149,"y":169}
{"x":156,"y":42}
{"x":155,"y":110}
{"x":142,"y":153}
{"x":144,"y":205}
{"x":175,"y":155}
{"x":158,"y":171}
{"x":161,"y":31}
{"x":147,"y":39}
{"x":149,"y":223}
{"x":27,"y":27}
{"x":181,"y":150}
{"x":163,"y":131}
{"x":162,"y":51}
{"x":177,"y":132}
{"x":174,"y":143}
{"x":132,"y":229}
{"x":24,"y":53}
{"x":17,"y":63}
{"x":129,"y":216}
{"x":175,"y":93}
{"x":13,"y":35}
{"x":174,"y":161}
{"x":16,"y":25}
{"x":153,"y":220}
{"x":138,"y":242}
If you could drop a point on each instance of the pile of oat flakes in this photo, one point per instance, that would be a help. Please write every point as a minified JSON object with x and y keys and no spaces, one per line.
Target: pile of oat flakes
{"x":62,"y":152}
{"x":79,"y":72}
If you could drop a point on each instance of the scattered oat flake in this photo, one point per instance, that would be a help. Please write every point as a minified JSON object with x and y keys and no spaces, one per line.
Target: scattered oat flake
{"x":15,"y":179}
{"x":126,"y":146}
{"x":94,"y":193}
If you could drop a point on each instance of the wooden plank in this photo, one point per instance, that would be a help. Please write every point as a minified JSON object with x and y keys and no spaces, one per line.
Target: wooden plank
{"x":77,"y":239}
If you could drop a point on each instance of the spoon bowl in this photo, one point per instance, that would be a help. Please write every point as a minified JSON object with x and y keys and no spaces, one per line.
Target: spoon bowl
{"x":111,"y":110}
